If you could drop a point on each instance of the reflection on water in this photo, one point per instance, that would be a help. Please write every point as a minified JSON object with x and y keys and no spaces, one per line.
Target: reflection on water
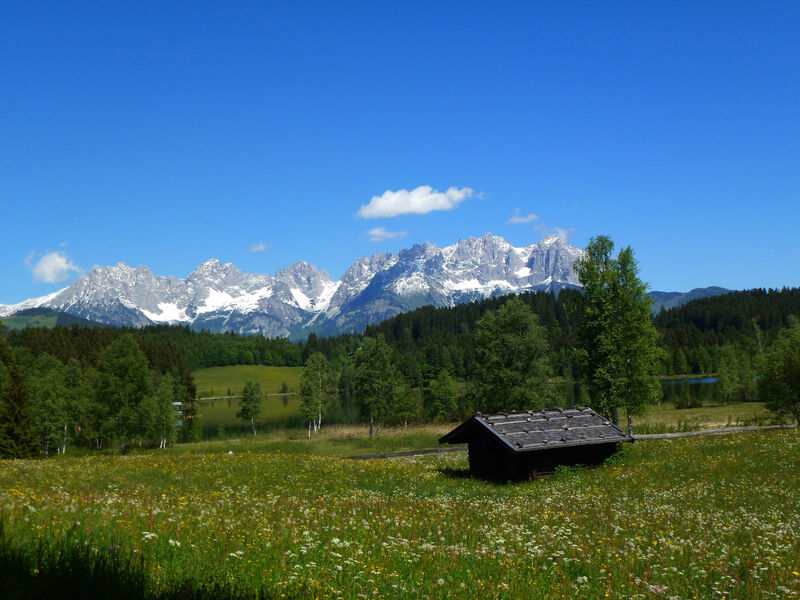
{"x":218,"y":416}
{"x":702,"y":390}
{"x":278,"y":412}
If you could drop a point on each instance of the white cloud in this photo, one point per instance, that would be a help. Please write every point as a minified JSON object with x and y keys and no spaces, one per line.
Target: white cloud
{"x":560,"y":232}
{"x":379,"y":234}
{"x":517,"y":218}
{"x":420,"y":201}
{"x":53,"y":267}
{"x":260,"y":247}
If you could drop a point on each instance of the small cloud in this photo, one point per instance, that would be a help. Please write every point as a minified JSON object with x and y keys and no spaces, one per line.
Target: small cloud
{"x":420,"y":201}
{"x":563,"y":234}
{"x":559,"y":232}
{"x":63,"y":245}
{"x":380,"y":234}
{"x":518,"y":219}
{"x":260,"y":247}
{"x":53,"y":267}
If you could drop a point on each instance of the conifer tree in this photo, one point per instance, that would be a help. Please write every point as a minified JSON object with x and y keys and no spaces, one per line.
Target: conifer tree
{"x":17,"y":437}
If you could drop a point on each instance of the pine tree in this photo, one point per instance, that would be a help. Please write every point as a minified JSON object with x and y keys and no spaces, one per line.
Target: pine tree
{"x":17,"y":436}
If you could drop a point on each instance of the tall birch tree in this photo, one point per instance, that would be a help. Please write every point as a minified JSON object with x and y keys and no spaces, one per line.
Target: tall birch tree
{"x":618,"y":336}
{"x":318,"y":390}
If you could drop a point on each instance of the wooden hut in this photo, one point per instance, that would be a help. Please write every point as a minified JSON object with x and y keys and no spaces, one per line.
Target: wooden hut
{"x":520,"y":445}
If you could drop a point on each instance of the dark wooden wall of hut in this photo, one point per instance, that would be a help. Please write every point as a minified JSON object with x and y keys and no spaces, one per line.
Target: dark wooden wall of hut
{"x":489,"y":458}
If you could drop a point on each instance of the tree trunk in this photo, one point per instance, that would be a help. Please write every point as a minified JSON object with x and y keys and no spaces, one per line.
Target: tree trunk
{"x":253,"y":424}
{"x":378,"y":431}
{"x":370,"y":426}
{"x":309,"y":429}
{"x":615,"y":416}
{"x":630,"y":423}
{"x":64,"y":445}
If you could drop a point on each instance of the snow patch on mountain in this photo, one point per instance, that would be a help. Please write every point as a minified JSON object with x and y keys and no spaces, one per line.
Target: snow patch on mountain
{"x":167,"y":313}
{"x":220,"y":297}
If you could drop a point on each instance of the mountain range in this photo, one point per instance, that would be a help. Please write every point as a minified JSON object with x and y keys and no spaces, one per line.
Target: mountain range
{"x":301,"y":298}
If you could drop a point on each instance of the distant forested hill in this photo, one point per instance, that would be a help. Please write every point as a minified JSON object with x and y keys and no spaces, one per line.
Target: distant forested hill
{"x":695,"y":336}
{"x":736,"y":317}
{"x":45,"y":317}
{"x":667,"y":300}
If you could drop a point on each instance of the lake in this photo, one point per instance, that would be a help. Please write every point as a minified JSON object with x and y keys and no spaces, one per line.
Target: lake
{"x":218,"y":417}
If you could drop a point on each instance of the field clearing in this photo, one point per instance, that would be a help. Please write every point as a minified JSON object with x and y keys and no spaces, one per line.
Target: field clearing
{"x":21,"y":322}
{"x":711,"y":416}
{"x":332,"y":440}
{"x":216,"y":381}
{"x":711,"y":517}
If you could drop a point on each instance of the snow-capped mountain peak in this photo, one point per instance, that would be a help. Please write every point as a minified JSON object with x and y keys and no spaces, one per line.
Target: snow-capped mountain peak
{"x":220,"y":297}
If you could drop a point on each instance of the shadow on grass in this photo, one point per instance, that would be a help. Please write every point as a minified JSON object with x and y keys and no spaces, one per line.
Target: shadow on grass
{"x":70,"y":572}
{"x":456,"y":473}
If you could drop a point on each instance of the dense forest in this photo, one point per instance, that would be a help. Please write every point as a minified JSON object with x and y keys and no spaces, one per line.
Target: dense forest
{"x":96,"y":387}
{"x":124,"y":385}
{"x":694,"y":337}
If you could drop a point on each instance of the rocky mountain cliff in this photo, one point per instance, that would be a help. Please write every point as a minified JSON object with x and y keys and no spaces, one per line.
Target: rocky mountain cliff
{"x":301,"y":298}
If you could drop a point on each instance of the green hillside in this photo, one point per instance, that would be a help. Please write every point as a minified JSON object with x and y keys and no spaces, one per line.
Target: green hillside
{"x":45,"y":317}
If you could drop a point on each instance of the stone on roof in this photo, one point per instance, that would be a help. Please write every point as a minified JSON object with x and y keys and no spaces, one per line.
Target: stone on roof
{"x":526,"y":431}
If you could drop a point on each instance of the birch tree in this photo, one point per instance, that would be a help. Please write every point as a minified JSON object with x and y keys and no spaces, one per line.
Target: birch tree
{"x":376,"y":380}
{"x":512,"y":366}
{"x":250,"y":404}
{"x":617,"y":334}
{"x":780,"y":379}
{"x":318,"y":390}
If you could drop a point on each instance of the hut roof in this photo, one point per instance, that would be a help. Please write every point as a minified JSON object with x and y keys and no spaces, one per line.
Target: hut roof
{"x":528,"y":431}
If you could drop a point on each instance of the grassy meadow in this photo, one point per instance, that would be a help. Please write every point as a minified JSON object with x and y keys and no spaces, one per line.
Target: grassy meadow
{"x":216,"y":381}
{"x":711,"y":517}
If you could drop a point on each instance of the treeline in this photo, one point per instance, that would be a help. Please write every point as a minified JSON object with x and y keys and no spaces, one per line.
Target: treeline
{"x":710,"y":335}
{"x":90,"y":387}
{"x":428,"y":340}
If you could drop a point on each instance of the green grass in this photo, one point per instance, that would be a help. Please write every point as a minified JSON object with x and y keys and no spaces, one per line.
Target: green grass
{"x":22,"y":322}
{"x":216,"y":381}
{"x":44,"y":317}
{"x":665,"y":417}
{"x":711,"y":517}
{"x":332,"y":440}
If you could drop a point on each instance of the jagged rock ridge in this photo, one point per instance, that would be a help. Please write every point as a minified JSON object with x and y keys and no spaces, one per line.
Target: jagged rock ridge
{"x":301,"y":298}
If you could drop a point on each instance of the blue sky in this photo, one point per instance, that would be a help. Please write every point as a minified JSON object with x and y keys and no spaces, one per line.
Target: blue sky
{"x":166,"y":134}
